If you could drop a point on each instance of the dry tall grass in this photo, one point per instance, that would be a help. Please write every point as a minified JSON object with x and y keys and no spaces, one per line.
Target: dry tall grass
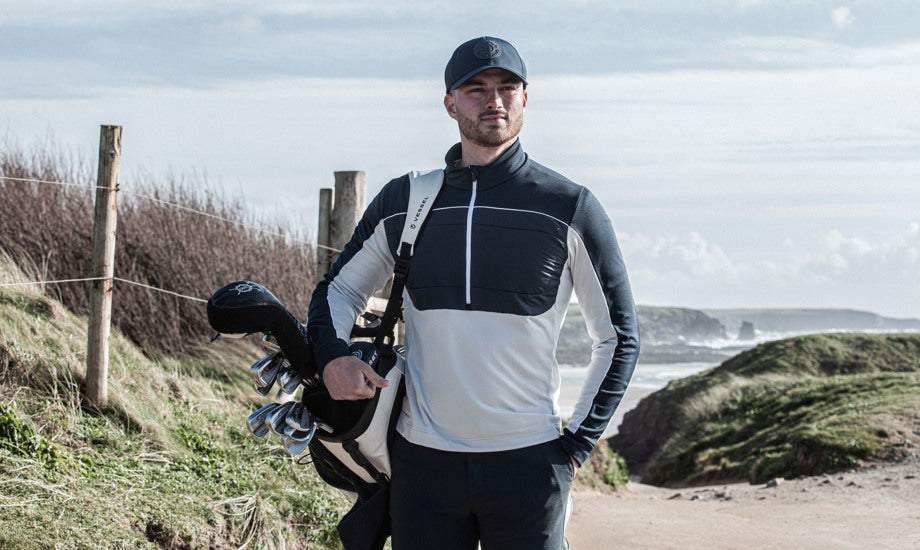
{"x":49,"y":227}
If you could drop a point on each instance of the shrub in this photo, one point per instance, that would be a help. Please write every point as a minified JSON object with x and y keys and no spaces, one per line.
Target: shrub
{"x":190,"y":250}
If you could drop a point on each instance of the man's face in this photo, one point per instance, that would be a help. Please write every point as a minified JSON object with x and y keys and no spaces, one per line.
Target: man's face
{"x":489,"y":107}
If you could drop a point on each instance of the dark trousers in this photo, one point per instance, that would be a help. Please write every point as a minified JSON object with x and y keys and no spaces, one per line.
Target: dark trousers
{"x":505,"y":500}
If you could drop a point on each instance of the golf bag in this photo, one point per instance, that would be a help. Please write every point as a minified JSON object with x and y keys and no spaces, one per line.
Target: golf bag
{"x":350,"y":448}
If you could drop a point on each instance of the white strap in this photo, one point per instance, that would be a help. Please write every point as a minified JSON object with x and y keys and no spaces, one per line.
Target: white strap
{"x":423,"y":188}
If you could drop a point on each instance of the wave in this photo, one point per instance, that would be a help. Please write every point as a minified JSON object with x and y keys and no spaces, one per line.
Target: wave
{"x":770,"y":336}
{"x":652,"y":376}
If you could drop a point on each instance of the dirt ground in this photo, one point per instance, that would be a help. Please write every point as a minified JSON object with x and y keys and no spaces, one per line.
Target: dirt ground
{"x":877,"y":507}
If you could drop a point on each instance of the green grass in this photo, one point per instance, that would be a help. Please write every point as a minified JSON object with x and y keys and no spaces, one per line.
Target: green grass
{"x":801,"y":406}
{"x":790,"y":428}
{"x":605,"y":470}
{"x":168,"y":463}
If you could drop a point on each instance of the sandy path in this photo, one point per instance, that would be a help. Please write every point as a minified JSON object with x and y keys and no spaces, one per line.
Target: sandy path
{"x":875,"y":508}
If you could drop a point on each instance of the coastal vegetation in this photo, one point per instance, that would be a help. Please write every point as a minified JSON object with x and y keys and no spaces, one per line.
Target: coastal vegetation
{"x":169,"y":460}
{"x":800,"y":406}
{"x":175,"y":233}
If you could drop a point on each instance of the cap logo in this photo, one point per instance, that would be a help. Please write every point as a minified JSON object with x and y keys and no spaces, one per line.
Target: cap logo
{"x":487,"y":49}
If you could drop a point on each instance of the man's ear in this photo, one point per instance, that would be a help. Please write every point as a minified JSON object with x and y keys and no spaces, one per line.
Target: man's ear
{"x":525,"y":98}
{"x":450,"y":106}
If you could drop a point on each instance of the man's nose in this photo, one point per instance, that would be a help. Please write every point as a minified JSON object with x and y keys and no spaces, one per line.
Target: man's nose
{"x":494,"y":100}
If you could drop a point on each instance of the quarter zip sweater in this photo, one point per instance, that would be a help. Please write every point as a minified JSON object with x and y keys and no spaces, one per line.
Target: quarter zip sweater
{"x":490,"y":280}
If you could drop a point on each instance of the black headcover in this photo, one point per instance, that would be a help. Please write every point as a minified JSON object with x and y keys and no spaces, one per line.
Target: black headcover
{"x":244,"y":307}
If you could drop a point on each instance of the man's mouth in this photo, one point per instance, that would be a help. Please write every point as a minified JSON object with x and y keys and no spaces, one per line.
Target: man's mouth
{"x":492,"y":117}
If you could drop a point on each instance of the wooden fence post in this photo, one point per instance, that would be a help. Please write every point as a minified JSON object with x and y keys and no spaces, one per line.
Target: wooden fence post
{"x":349,"y":205}
{"x":100,"y":298}
{"x":323,"y":254}
{"x":347,"y":208}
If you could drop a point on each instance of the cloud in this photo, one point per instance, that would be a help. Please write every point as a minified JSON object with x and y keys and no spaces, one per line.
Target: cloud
{"x":246,"y":24}
{"x":92,"y":12}
{"x":893,"y":259}
{"x":907,"y":53}
{"x":834,"y":269}
{"x":786,"y":51}
{"x":678,"y":260}
{"x":843,"y":18}
{"x":685,"y":129}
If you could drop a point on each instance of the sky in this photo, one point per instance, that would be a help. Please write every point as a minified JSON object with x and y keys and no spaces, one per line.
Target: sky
{"x":749,"y":153}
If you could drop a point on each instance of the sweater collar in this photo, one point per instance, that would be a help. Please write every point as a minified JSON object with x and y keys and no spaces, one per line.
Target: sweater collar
{"x":494,"y":173}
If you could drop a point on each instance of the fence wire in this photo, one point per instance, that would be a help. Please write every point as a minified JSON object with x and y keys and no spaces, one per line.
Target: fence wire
{"x":119,"y":279}
{"x":178,"y":207}
{"x":62,"y":183}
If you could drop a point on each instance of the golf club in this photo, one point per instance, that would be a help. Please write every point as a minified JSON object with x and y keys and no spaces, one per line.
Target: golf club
{"x":268,"y":373}
{"x":306,"y":434}
{"x":276,"y":420}
{"x":299,"y":418}
{"x":269,"y":344}
{"x":256,"y":421}
{"x":265,"y":371}
{"x":295,"y":446}
{"x":260,"y":364}
{"x":255,"y":371}
{"x":288,"y":379}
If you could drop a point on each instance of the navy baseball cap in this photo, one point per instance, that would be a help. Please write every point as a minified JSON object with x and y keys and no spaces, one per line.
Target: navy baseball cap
{"x":481,"y":54}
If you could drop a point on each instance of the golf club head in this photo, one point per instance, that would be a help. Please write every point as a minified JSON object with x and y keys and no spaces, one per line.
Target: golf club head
{"x":275,"y":421}
{"x":290,"y":381}
{"x":295,"y":446}
{"x":256,"y":370}
{"x":285,"y":373}
{"x":294,"y":415}
{"x":269,"y":373}
{"x":306,"y":434}
{"x":300,"y":419}
{"x":265,"y":371}
{"x":260,"y":364}
{"x":294,"y":433}
{"x":256,"y":421}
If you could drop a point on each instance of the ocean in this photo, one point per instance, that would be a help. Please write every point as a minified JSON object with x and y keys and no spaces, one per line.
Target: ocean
{"x":648,"y":378}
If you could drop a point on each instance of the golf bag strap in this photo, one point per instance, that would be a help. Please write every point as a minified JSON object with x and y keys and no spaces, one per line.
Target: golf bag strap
{"x":423,"y":188}
{"x":351,"y":446}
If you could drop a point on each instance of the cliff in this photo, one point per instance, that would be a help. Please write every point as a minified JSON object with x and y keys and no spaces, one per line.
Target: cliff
{"x":791,"y":407}
{"x":810,"y":320}
{"x":669,"y":334}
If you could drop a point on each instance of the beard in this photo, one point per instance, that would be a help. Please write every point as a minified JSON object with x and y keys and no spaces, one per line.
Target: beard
{"x":475,"y":131}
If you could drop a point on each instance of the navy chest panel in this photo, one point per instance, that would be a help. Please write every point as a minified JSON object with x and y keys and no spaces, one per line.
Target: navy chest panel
{"x":516,"y":259}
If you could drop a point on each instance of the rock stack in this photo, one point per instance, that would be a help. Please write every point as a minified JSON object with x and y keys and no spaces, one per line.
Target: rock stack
{"x":747,"y":331}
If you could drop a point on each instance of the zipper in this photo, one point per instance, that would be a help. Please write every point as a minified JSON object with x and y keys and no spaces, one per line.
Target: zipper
{"x":469,"y":238}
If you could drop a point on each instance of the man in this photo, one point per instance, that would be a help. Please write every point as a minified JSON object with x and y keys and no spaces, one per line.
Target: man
{"x":480,"y":454}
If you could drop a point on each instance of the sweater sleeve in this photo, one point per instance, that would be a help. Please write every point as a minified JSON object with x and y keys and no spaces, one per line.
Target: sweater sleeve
{"x":362,"y":268}
{"x":602,"y":287}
